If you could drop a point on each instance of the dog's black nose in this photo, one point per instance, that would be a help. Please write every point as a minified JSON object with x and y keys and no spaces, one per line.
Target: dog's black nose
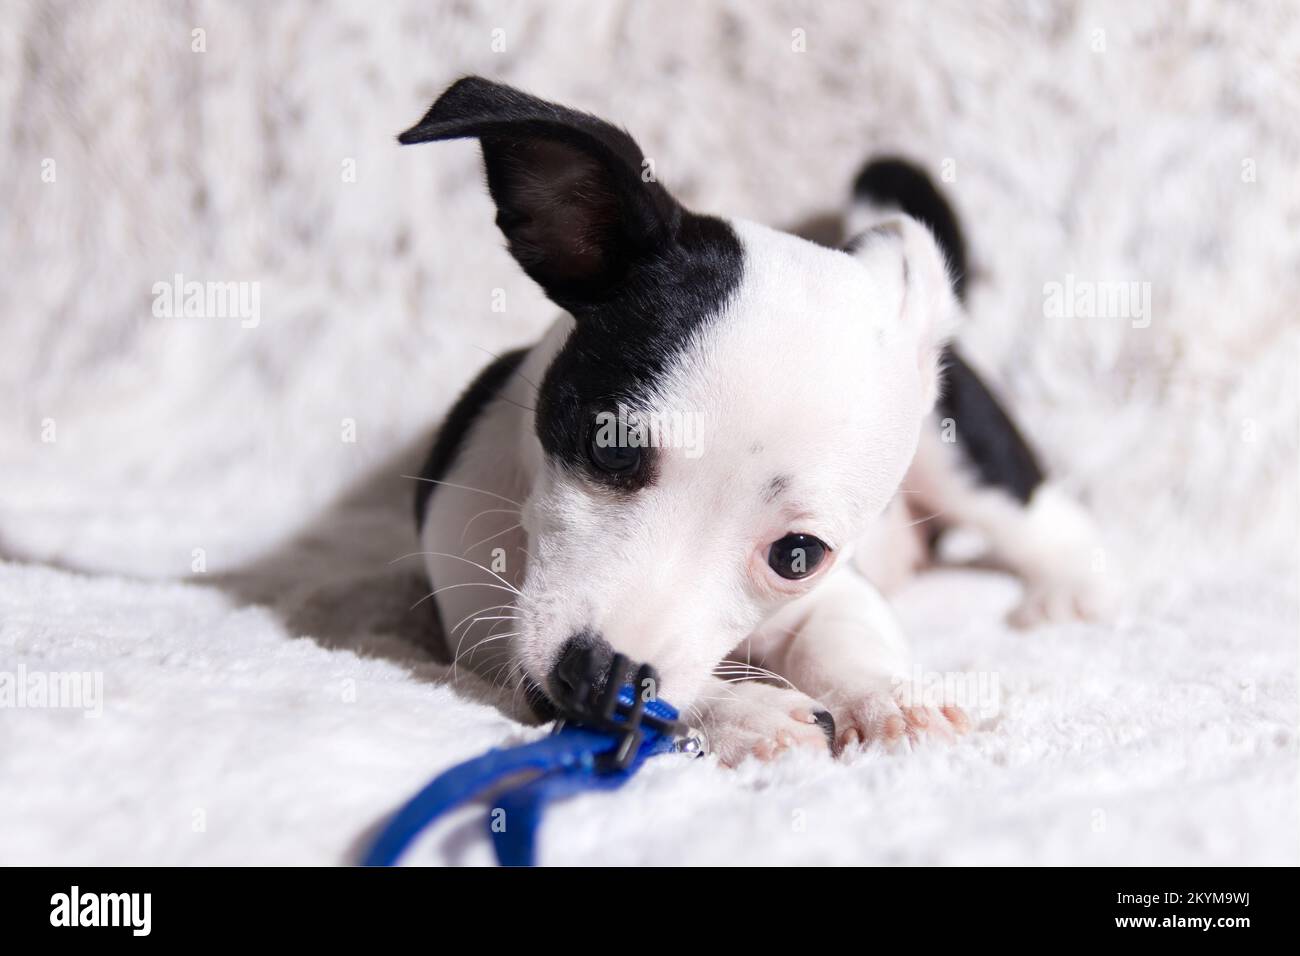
{"x":583,"y":664}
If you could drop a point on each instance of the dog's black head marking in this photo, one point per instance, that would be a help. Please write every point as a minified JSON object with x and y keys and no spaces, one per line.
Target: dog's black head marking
{"x":605,"y":241}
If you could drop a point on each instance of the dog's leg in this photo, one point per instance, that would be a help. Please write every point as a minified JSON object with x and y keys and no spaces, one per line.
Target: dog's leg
{"x":895,"y":547}
{"x":741,"y":717}
{"x":842,"y":645}
{"x":972,"y":468}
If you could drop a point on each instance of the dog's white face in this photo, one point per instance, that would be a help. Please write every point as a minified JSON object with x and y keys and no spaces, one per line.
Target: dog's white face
{"x":784,"y":385}
{"x":784,"y":427}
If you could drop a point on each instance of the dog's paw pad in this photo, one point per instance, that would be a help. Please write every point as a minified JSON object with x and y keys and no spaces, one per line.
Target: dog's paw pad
{"x":957,"y":718}
{"x":752,"y":720}
{"x":888,"y":716}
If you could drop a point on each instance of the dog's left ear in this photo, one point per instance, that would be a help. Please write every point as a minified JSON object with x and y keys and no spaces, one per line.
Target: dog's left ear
{"x":569,"y":188}
{"x":929,"y":309}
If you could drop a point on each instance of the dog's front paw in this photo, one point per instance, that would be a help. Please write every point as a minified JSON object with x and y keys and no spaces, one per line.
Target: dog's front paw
{"x":894,"y":713}
{"x":751,"y":719}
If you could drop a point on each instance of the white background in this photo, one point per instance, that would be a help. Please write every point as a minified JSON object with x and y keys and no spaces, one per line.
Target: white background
{"x":275,"y":707}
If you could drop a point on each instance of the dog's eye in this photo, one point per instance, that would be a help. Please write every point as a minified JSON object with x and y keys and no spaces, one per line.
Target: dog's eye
{"x":796,"y":555}
{"x":613,"y":458}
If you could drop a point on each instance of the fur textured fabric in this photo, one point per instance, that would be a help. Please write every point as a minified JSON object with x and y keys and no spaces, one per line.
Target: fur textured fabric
{"x":183,"y":510}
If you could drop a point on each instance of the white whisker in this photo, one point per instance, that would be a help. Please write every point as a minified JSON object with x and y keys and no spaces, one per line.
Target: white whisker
{"x":491,"y":536}
{"x":495,"y":607}
{"x":749,"y":672}
{"x":913,"y":524}
{"x":456,"y":655}
{"x":469,"y":651}
{"x":448,"y":484}
{"x":487,"y":511}
{"x":457,"y":557}
{"x":516,"y":371}
{"x":452,"y":587}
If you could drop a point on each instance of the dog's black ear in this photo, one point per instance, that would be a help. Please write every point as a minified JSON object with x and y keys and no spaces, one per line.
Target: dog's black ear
{"x":569,"y":188}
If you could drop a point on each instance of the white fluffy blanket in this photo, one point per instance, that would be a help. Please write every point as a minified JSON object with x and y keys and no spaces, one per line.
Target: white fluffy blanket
{"x":183,"y":519}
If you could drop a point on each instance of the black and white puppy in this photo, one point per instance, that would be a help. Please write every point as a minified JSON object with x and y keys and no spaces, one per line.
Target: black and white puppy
{"x":699,"y":464}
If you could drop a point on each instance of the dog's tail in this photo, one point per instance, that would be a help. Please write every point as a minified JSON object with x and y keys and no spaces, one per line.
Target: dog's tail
{"x":889,"y":185}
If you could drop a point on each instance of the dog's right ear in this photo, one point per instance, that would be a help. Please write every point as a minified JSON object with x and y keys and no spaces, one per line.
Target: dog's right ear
{"x":929,"y":306}
{"x":571,"y":197}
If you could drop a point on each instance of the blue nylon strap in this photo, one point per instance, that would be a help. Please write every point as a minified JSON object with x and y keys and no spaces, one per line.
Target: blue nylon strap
{"x":467,"y":780}
{"x":514,"y":831}
{"x":556,"y":766}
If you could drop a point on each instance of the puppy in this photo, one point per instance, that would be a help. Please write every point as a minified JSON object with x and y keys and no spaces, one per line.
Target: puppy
{"x":699,"y":464}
